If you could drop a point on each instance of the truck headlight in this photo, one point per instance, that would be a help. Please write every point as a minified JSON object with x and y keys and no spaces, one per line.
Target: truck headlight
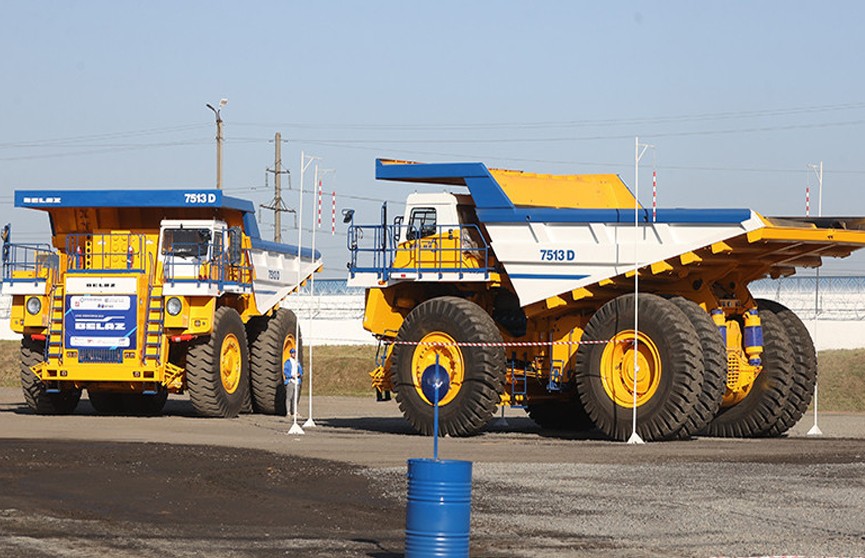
{"x":34,"y":305}
{"x":173,"y":306}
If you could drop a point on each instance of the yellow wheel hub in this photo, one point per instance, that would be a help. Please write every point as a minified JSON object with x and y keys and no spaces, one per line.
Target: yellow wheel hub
{"x":449,"y":357}
{"x":617,"y":369}
{"x":230,"y":363}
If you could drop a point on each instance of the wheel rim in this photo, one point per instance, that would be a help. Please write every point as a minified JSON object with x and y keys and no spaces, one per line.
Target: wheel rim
{"x":449,"y":357}
{"x":617,"y":369}
{"x":230,"y":363}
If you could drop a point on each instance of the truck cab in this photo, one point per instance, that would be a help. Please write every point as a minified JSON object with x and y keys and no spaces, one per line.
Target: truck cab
{"x":438,"y":238}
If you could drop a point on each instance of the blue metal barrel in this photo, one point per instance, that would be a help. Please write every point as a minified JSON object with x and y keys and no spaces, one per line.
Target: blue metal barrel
{"x":439,"y":508}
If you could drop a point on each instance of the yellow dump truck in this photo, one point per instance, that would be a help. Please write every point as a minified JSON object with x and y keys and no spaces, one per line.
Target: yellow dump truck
{"x":521,"y":287}
{"x":143,"y":293}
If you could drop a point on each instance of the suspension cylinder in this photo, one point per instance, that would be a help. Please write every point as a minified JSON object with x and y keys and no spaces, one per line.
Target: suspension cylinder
{"x":753,"y":337}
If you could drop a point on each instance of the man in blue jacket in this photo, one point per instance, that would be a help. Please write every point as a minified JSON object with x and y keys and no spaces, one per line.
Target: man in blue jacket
{"x":292,"y":373}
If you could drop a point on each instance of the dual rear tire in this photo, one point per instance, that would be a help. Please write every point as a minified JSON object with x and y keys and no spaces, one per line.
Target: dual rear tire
{"x":669,"y":368}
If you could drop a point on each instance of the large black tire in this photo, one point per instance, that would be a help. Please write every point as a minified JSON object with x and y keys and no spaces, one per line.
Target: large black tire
{"x":106,"y":402}
{"x":569,"y":415}
{"x":714,"y":367}
{"x":268,"y":336}
{"x":763,"y":407}
{"x":35,"y":394}
{"x":210,"y":395}
{"x":678,"y":384}
{"x":804,"y":370}
{"x":476,"y":400}
{"x":135,"y":404}
{"x":145,"y":404}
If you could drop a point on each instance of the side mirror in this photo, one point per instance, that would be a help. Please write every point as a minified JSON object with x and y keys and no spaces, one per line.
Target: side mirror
{"x":347,"y":215}
{"x":397,"y":227}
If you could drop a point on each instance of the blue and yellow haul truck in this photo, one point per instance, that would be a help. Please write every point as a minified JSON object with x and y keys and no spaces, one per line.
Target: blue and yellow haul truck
{"x":148,"y":292}
{"x":522,"y":287}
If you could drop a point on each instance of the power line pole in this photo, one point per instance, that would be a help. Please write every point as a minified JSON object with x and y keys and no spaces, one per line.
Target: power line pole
{"x":276,"y":204}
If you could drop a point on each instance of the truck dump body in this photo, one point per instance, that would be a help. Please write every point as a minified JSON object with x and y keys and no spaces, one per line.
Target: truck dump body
{"x":523,"y":289}
{"x":559,"y":249}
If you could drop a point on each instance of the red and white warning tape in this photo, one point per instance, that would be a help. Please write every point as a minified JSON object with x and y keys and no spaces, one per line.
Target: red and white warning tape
{"x":502,"y":344}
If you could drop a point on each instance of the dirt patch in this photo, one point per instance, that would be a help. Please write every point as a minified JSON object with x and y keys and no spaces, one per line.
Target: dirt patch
{"x":193,"y":492}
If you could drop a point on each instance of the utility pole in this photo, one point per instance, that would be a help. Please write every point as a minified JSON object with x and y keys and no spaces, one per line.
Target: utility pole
{"x":277,"y":186}
{"x":216,"y":112}
{"x":276,"y":204}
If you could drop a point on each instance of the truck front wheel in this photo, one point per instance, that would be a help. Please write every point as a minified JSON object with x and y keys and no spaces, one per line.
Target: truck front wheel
{"x":669,"y":368}
{"x":36,"y":393}
{"x":433,"y":334}
{"x":217,"y":367}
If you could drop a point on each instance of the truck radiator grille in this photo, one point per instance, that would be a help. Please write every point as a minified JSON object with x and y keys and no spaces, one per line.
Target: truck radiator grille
{"x":100,"y":355}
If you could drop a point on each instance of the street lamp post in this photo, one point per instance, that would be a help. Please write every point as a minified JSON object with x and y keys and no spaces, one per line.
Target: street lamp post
{"x":216,"y":112}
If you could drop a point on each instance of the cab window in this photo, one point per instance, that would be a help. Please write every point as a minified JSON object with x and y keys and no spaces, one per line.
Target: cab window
{"x":186,"y":243}
{"x":421,"y":223}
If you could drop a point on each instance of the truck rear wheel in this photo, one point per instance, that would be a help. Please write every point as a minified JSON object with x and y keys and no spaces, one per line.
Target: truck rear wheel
{"x":271,"y":339}
{"x":714,"y":367}
{"x":804,"y":368}
{"x":764,"y":405}
{"x":35,"y":392}
{"x":560,"y":415}
{"x":475,"y":372}
{"x":217,"y":367}
{"x":145,"y":404}
{"x":106,"y":402}
{"x":669,"y":375}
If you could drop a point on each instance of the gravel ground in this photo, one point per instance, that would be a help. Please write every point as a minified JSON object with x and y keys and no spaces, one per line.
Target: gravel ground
{"x":177,"y":485}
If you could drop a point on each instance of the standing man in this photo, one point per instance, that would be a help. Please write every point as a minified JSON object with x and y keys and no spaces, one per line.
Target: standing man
{"x":292,"y":372}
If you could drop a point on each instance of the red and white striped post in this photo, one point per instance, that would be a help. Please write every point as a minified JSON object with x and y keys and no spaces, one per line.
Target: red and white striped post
{"x":333,"y":213}
{"x":319,"y":204}
{"x":654,"y":195}
{"x":807,"y":201}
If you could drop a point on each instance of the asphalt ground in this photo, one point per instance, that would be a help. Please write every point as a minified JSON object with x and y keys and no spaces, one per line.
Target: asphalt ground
{"x":179,"y":485}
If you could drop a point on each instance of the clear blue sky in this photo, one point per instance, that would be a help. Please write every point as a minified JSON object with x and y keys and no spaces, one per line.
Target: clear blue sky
{"x":737,"y":97}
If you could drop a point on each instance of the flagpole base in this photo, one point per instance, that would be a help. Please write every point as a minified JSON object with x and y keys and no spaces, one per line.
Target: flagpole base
{"x":309,"y":423}
{"x":815,"y":431}
{"x":295,"y":429}
{"x":635,"y":439}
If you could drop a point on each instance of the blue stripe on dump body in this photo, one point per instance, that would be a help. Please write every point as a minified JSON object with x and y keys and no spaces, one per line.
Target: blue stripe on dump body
{"x":46,"y":199}
{"x":545,"y":276}
{"x":287,"y":249}
{"x":571,"y":215}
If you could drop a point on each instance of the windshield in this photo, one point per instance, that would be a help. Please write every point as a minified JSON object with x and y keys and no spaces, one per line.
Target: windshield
{"x":186,"y":243}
